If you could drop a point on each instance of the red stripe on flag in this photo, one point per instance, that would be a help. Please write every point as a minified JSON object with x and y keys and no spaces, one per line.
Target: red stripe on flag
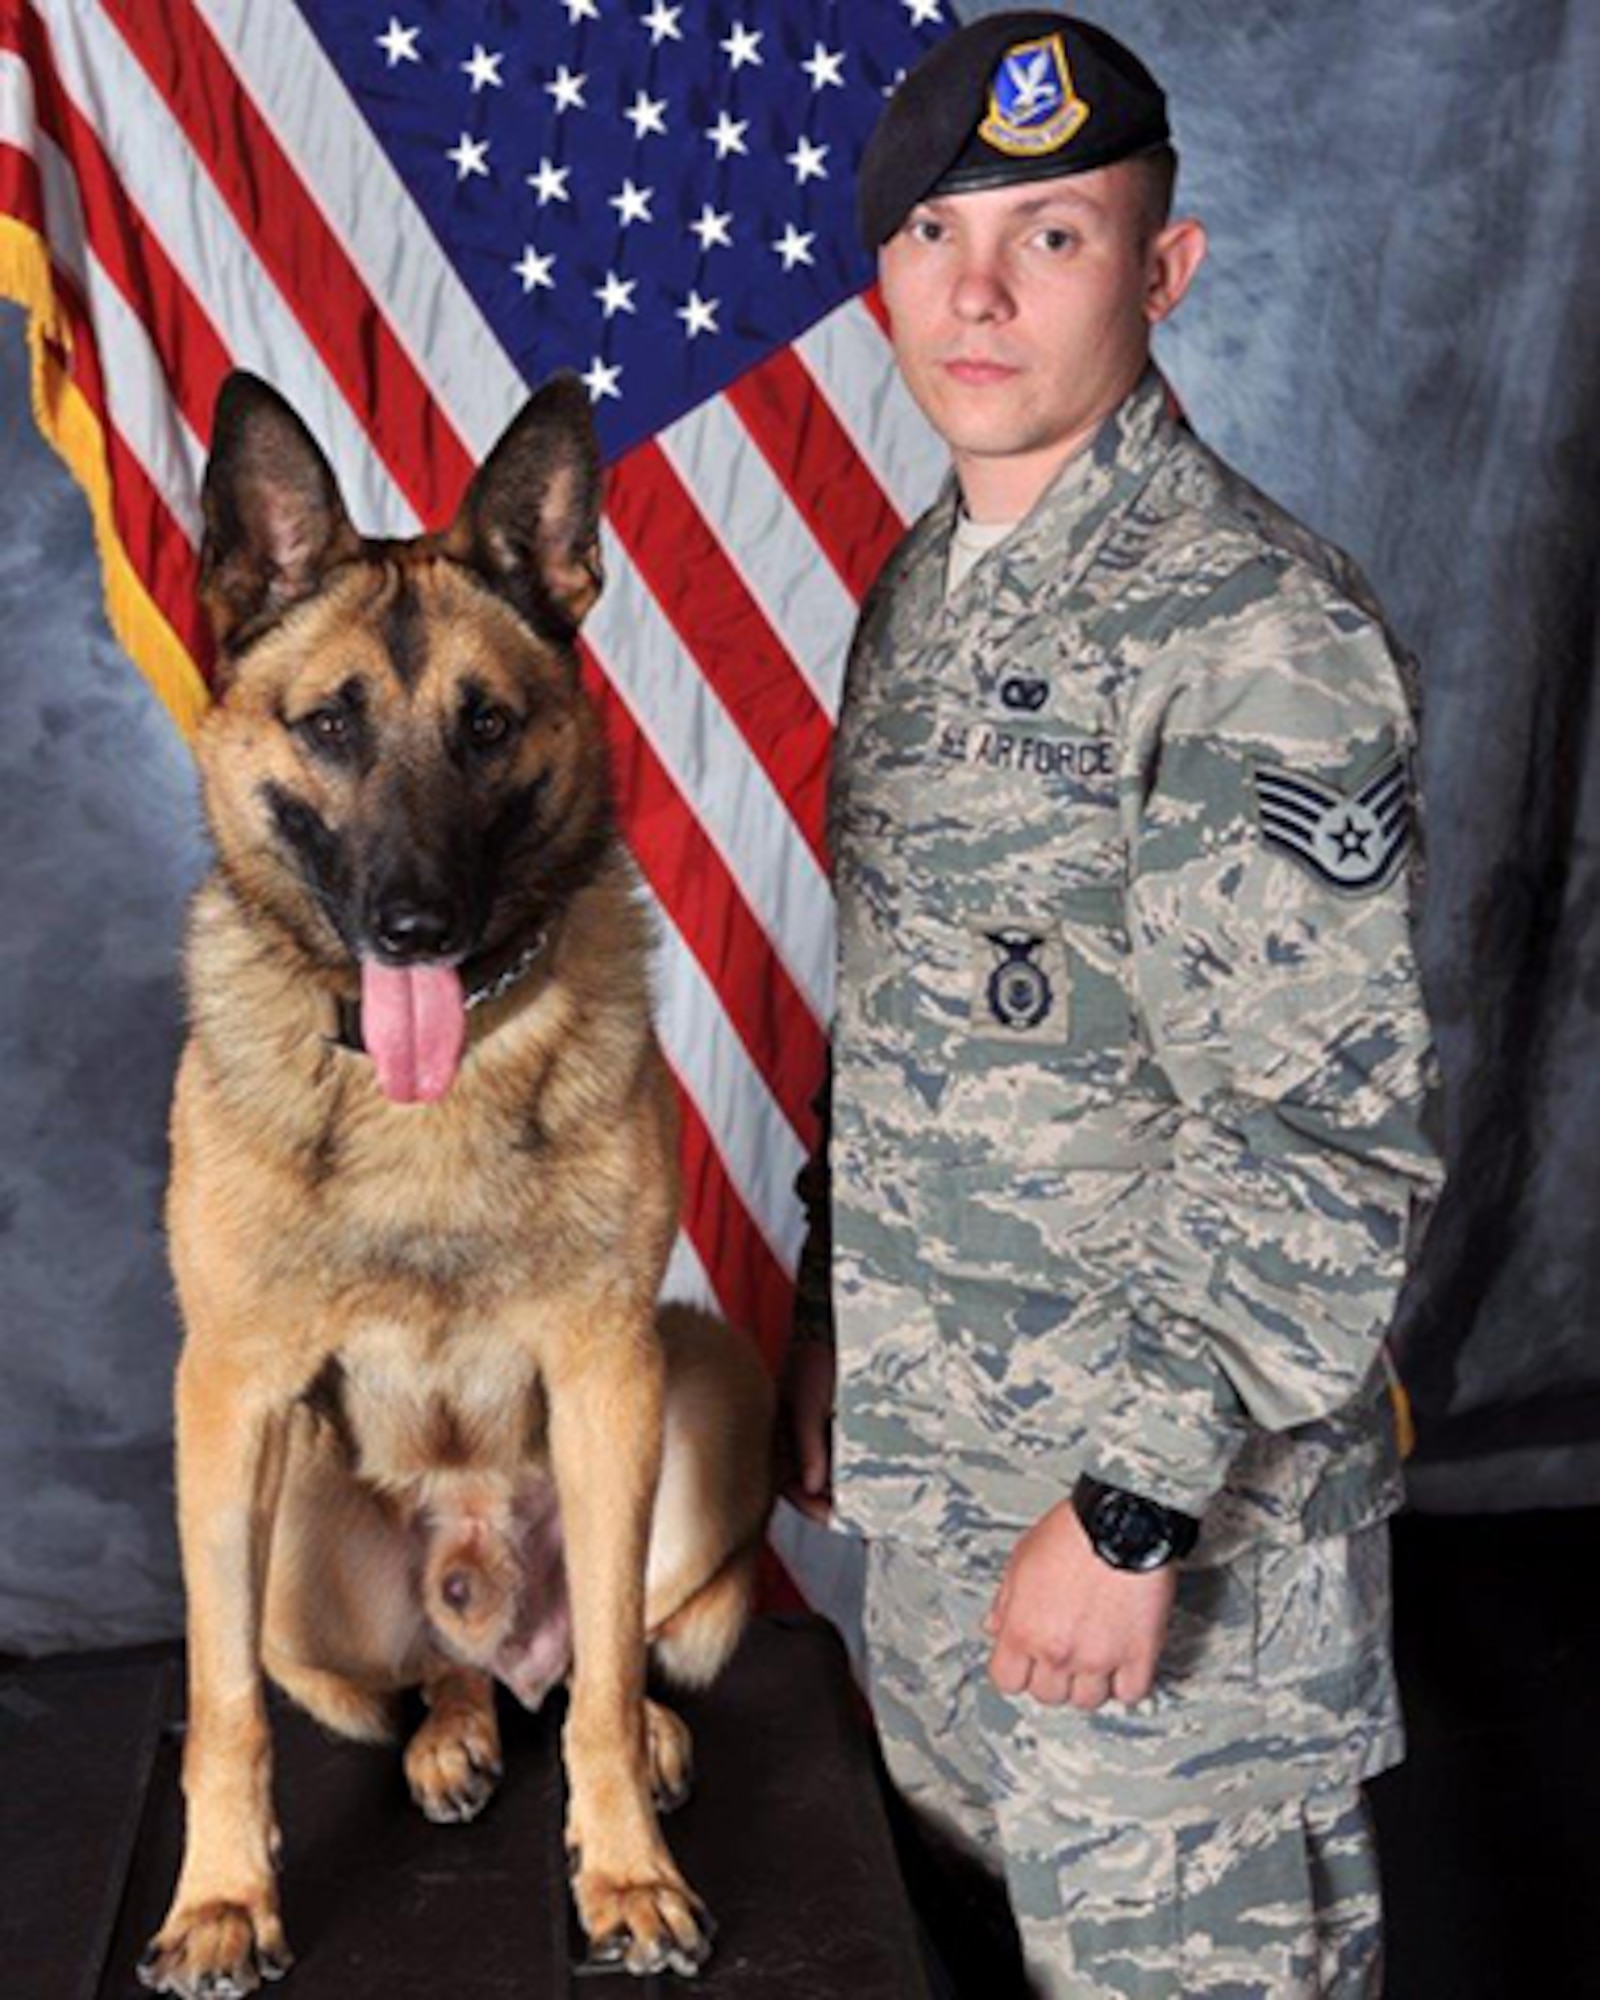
{"x":691,"y":577}
{"x":286,"y":230}
{"x":676,"y":856}
{"x":154,"y":542}
{"x":843,"y":506}
{"x":872,"y":299}
{"x":21,"y":194}
{"x":752,"y":1287}
{"x":193,"y":356}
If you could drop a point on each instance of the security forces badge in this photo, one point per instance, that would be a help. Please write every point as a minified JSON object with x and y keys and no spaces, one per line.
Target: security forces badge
{"x":1022,"y":990}
{"x":1352,"y":841}
{"x":1034,"y":106}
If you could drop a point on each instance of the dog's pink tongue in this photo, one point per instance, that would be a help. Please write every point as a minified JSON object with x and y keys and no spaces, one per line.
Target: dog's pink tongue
{"x":414,"y":1024}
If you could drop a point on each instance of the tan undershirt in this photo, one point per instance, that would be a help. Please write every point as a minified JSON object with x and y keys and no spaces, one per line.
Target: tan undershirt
{"x":970,"y":540}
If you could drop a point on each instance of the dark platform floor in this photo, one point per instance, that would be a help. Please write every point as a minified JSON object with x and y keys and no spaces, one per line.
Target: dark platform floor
{"x":1489,"y":1830}
{"x":785,"y":1837}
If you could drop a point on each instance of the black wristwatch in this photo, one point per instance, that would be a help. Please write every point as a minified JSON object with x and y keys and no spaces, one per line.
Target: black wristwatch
{"x":1128,"y":1531}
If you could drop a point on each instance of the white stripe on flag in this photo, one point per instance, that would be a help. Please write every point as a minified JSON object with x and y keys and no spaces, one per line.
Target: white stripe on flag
{"x":366,"y":204}
{"x":713,"y":767}
{"x":19,"y":118}
{"x":139,"y":405}
{"x":686,"y":1281}
{"x":767,"y":541}
{"x":852,"y":364}
{"x":759,"y":1148}
{"x":166,"y":181}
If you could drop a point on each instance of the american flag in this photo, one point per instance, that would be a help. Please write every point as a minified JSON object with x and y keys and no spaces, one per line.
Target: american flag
{"x":406,"y":215}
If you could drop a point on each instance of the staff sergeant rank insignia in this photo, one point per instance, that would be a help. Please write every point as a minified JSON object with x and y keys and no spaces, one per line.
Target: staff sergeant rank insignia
{"x":1352,"y":842}
{"x":1034,"y":106}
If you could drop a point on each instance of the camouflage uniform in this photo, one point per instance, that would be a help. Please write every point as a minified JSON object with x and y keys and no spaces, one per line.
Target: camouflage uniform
{"x":1129,"y":1127}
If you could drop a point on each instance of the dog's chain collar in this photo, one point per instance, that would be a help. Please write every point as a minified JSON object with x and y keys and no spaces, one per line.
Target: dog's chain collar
{"x":497,"y":987}
{"x":348,"y":1035}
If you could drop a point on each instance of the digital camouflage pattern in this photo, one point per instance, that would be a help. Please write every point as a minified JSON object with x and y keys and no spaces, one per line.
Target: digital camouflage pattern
{"x":1211,"y":1841}
{"x":1130,"y":1103}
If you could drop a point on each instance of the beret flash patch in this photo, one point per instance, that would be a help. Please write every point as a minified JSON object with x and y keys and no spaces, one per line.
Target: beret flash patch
{"x":1034,"y":106}
{"x":1352,"y":841}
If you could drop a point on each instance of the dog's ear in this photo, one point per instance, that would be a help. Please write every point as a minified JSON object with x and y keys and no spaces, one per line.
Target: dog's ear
{"x":530,"y":522}
{"x":274,"y":521}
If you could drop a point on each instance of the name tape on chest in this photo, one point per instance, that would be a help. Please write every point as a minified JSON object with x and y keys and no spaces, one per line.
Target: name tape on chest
{"x":1354,"y":842}
{"x":1032,"y":752}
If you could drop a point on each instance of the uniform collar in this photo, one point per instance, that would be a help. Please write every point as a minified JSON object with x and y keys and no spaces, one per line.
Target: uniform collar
{"x":1066,"y":525}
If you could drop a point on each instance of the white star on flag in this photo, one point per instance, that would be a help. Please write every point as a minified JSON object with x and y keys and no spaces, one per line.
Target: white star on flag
{"x":399,"y":44}
{"x":807,"y":159}
{"x":647,"y":114}
{"x":921,"y":11}
{"x":698,"y":315}
{"x":600,"y":378}
{"x":727,"y":135}
{"x":712,"y":229}
{"x":616,"y":294}
{"x":534,"y":270}
{"x":632,"y":204}
{"x":742,"y":45}
{"x":795,"y":248}
{"x":662,"y":21}
{"x":580,"y":10}
{"x":550,"y":183}
{"x":567,"y":89}
{"x":824,"y":67}
{"x":469,"y":156}
{"x":483,"y":69}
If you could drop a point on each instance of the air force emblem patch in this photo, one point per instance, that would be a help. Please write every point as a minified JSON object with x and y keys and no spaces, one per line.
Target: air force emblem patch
{"x":1034,"y":106}
{"x":1353,"y":842}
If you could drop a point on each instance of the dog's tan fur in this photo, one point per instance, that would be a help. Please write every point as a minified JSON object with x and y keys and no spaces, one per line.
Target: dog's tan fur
{"x":403,"y":1320}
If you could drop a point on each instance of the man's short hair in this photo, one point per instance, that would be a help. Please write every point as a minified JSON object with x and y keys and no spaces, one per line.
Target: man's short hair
{"x":1158,"y":171}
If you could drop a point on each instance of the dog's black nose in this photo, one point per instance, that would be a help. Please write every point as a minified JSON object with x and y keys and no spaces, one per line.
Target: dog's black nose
{"x":404,"y":929}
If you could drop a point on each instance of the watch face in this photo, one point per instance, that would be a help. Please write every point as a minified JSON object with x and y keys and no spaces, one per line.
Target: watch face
{"x":1130,"y":1532}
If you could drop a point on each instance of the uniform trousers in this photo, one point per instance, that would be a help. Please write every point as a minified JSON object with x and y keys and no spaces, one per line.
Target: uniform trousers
{"x":1213,"y":1840}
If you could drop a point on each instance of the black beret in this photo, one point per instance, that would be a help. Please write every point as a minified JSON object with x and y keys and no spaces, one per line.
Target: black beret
{"x":1011,"y":97}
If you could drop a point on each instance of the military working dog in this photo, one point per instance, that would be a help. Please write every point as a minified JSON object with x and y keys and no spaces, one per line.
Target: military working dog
{"x":432,"y":1428}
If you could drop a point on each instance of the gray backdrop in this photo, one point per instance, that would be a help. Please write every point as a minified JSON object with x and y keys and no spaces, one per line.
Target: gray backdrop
{"x":1397,"y":336}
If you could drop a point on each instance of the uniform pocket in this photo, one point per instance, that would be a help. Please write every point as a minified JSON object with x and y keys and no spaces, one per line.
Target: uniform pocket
{"x":1043,"y":1045}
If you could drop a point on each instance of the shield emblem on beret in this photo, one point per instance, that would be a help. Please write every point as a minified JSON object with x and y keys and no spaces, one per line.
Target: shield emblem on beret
{"x":1350,"y":840}
{"x":1034,"y":106}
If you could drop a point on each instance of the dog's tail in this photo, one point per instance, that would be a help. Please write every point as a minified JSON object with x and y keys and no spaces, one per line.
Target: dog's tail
{"x":693,"y":1646}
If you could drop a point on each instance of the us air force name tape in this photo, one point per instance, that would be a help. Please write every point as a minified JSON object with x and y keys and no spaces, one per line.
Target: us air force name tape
{"x":1010,"y":97}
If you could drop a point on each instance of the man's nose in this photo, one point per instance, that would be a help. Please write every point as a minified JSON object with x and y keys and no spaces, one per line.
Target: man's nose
{"x":981,"y":292}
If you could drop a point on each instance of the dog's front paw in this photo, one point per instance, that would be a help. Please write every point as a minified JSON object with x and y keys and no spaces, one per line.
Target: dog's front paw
{"x":215,"y":1951}
{"x":453,"y":1763}
{"x":643,"y":1927}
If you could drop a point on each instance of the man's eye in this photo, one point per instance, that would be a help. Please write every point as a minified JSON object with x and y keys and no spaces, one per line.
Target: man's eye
{"x":923,"y":229}
{"x":1057,"y":239}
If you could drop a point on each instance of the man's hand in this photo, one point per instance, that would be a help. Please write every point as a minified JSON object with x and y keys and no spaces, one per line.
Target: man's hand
{"x":1067,"y":1627}
{"x":805,"y":1427}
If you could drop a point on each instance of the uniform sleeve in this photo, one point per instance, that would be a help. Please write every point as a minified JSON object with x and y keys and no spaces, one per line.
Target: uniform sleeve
{"x":1268,"y":811}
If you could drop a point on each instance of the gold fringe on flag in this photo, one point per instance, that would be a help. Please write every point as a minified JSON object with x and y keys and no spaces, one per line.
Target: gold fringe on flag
{"x":63,"y":414}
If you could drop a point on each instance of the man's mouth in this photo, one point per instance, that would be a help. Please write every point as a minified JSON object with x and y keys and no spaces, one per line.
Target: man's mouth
{"x":976,"y":374}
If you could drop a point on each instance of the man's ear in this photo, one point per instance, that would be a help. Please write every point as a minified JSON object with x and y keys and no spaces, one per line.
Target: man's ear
{"x":1175,"y":254}
{"x":530,"y":522}
{"x":274,"y":521}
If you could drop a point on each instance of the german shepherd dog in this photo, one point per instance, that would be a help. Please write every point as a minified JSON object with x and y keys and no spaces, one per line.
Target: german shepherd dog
{"x":432,"y":1429}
